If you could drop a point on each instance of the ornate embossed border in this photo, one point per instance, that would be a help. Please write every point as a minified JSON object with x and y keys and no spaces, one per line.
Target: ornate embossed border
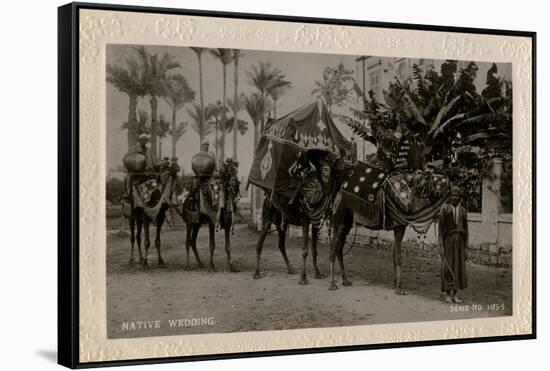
{"x":85,"y":29}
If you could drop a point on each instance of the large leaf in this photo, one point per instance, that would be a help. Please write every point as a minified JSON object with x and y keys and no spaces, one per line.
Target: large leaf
{"x":442,"y":127}
{"x":358,"y":127}
{"x":413,"y":111}
{"x":498,"y":120}
{"x":442,"y":112}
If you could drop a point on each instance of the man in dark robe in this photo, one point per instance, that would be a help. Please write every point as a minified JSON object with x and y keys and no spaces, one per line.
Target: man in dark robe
{"x":453,"y":240}
{"x":141,"y":147}
{"x":151,"y":163}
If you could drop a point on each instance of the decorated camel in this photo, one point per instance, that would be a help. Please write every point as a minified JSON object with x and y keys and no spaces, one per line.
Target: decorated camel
{"x":297,"y":165}
{"x":212,"y":200}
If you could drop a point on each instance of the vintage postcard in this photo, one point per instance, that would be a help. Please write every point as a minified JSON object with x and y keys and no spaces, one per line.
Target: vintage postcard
{"x":256,"y":185}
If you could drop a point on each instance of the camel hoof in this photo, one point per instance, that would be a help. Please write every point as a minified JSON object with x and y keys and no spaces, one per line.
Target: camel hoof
{"x":400,"y":292}
{"x":161,"y":264}
{"x":320,"y":276}
{"x":145,"y":265}
{"x":201,"y":265}
{"x":131,"y":262}
{"x":257,"y":275}
{"x":346,"y":283}
{"x":187,"y":267}
{"x":303,"y":281}
{"x":333,"y":286}
{"x":213,"y":269}
{"x":232,"y":269}
{"x":291,"y":271}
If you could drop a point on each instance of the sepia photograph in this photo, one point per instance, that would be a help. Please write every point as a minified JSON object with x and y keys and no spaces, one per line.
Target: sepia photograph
{"x":245,"y":185}
{"x":254,"y":190}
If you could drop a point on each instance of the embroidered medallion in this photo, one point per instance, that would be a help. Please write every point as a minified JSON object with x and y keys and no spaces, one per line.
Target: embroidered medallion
{"x":267,"y":161}
{"x":325,"y":173}
{"x":312,"y":191}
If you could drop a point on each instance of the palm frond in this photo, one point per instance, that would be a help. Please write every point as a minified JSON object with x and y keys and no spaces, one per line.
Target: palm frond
{"x":242,"y":125}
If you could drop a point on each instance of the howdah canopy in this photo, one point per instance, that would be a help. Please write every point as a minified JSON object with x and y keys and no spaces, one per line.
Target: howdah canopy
{"x":307,"y":129}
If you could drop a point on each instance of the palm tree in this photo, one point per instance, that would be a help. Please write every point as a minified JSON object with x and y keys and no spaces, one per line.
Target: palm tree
{"x":225,"y":56}
{"x":263,"y":77}
{"x":279,"y":87}
{"x":127,"y":79}
{"x":236,"y":55}
{"x":256,"y":106}
{"x":242,"y":126}
{"x":235,"y":106}
{"x":216,"y":113}
{"x":202,"y":127}
{"x":176,"y":94}
{"x":142,"y":124}
{"x":162,"y":130}
{"x":154,"y":75}
{"x":198,"y":52}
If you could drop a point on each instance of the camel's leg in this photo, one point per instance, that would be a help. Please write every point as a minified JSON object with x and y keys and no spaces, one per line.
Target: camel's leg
{"x":305,"y":233}
{"x":227,"y":232}
{"x":332,"y":282}
{"x":314,"y":240}
{"x":266,"y":224}
{"x":227,"y":224}
{"x":282,"y":246}
{"x":338,"y":242}
{"x":147,"y":240}
{"x":342,"y":223}
{"x":194,"y":233}
{"x":139,"y":223}
{"x":187,"y":244}
{"x":132,"y":236}
{"x":334,"y":245}
{"x":212,"y":244}
{"x":398,"y":233}
{"x":160,"y":221}
{"x":340,"y":255}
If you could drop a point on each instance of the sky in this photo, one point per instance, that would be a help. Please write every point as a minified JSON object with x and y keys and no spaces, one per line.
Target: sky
{"x":301,"y":69}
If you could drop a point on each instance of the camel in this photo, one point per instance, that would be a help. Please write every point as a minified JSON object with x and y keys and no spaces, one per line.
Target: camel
{"x":278,"y":210}
{"x":350,"y":208}
{"x":200,"y":207}
{"x":149,"y":208}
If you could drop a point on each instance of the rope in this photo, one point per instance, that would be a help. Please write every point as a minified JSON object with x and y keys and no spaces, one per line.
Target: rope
{"x":445,"y":262}
{"x":352,"y":243}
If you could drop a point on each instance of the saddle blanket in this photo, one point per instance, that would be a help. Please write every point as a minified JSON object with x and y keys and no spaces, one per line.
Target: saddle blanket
{"x":143,"y":192}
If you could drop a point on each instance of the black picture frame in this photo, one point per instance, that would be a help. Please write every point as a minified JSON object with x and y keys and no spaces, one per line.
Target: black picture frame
{"x":68,"y":180}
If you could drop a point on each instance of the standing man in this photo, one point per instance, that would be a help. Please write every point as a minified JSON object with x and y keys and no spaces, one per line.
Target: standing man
{"x":453,"y":240}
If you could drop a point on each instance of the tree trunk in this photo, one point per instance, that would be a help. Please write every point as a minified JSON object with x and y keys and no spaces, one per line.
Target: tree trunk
{"x":235,"y":99}
{"x":154,"y":123}
{"x":217,"y":143}
{"x":223,"y":128}
{"x":132,"y":121}
{"x":174,"y":134}
{"x":160,"y":148}
{"x":262,"y":121}
{"x":201,"y":131}
{"x":256,"y":191}
{"x":255,"y":137}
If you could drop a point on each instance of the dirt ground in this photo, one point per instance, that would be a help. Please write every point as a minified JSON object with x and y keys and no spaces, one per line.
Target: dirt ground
{"x":173,"y":301}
